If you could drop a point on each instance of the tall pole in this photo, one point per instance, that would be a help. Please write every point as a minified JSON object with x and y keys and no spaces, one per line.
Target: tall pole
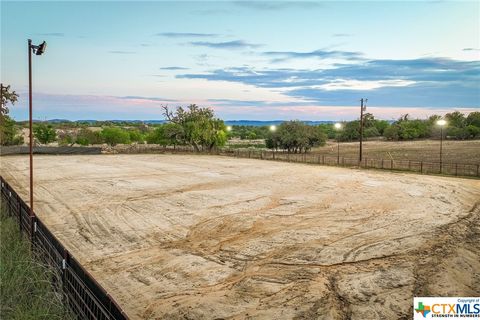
{"x":441,"y":145}
{"x":361,"y":130}
{"x":338,"y":150}
{"x":30,"y":123}
{"x":1,"y":95}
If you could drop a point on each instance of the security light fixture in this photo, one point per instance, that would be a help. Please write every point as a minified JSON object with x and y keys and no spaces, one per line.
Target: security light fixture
{"x":338,"y":126}
{"x":229,"y":128}
{"x":273,"y":128}
{"x":40,"y":49}
{"x":441,"y":123}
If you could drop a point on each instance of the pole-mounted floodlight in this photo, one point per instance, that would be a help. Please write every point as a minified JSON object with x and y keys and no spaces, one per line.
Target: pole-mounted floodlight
{"x":273,"y":128}
{"x":229,"y":128}
{"x":441,"y":123}
{"x":363,"y":107}
{"x":38,"y":50}
{"x":338,"y":127}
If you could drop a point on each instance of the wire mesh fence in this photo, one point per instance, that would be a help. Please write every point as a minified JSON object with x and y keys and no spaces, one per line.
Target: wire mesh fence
{"x":85,"y":297}
{"x":424,"y":167}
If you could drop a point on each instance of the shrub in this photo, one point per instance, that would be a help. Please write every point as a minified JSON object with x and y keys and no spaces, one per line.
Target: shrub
{"x":114,"y":136}
{"x":44,"y":133}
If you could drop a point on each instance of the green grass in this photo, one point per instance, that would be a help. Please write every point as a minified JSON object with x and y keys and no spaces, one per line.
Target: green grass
{"x":25,"y":284}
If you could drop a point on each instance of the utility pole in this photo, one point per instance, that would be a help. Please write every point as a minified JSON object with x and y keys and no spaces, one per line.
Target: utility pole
{"x":363,"y":107}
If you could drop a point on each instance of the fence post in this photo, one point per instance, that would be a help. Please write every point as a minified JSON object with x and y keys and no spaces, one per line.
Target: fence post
{"x":19,"y":213}
{"x":323,"y":159}
{"x":391,"y":164}
{"x":382,"y":163}
{"x":478,"y":170}
{"x":456,"y":168}
{"x":64,"y":274}
{"x":421,"y":167}
{"x":409,"y":165}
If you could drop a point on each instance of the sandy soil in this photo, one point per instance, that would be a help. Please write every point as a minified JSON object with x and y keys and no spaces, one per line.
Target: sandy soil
{"x":204,"y":237}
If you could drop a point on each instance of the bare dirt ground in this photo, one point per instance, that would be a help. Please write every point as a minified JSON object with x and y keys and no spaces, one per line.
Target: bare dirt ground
{"x":454,"y":151}
{"x":209,"y":237}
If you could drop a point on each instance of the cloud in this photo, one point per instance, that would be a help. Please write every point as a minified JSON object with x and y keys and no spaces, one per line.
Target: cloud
{"x":173,"y":68}
{"x":471,"y":49}
{"x":276,"y":5}
{"x":256,"y":103}
{"x":322,"y":54}
{"x":121,"y":52}
{"x":235,"y":44}
{"x":426,"y":81}
{"x":52,"y":34}
{"x":342,"y":35}
{"x":145,"y":98}
{"x":186,"y":35}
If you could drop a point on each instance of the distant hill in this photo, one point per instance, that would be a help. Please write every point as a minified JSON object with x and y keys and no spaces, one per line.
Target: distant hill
{"x":259,"y":123}
{"x":256,"y":123}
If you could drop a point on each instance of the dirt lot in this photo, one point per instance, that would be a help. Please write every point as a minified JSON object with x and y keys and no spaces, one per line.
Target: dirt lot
{"x":421,"y":150}
{"x":206,"y":237}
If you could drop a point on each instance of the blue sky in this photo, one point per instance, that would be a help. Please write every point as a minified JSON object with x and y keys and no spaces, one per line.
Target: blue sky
{"x":259,"y":60}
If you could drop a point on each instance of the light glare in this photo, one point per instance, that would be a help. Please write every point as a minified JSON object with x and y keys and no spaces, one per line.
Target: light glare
{"x":441,"y":122}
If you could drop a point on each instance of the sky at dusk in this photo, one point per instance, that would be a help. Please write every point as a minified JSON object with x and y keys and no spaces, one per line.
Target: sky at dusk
{"x":252,"y":60}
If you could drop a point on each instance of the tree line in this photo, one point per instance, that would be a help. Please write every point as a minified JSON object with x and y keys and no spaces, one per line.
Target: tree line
{"x":199,"y":128}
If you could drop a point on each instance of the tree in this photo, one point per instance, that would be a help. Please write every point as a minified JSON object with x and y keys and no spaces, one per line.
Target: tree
{"x":136,"y":136}
{"x":473,"y":119}
{"x":391,"y":132}
{"x":199,"y":127}
{"x":7,"y":97}
{"x":86,"y":137}
{"x":8,"y":127}
{"x":115,"y":135}
{"x":296,"y":136}
{"x":44,"y":133}
{"x":455,"y":119}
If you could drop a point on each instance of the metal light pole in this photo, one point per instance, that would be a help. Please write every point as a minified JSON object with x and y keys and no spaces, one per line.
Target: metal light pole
{"x":363,"y":107}
{"x":273,"y":128}
{"x":338,"y":127}
{"x":441,"y":123}
{"x":38,"y":50}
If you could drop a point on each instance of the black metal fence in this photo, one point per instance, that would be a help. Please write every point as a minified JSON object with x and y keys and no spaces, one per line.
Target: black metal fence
{"x":424,"y":167}
{"x":81,"y":293}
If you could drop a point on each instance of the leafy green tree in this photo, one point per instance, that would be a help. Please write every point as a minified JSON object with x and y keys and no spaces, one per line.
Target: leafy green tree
{"x":136,"y":136}
{"x":45,"y":133}
{"x":8,"y":128}
{"x":9,"y":132}
{"x":115,"y":135}
{"x":65,"y":138}
{"x":8,"y":96}
{"x":350,"y":131}
{"x":296,"y":136}
{"x":455,"y":119}
{"x":200,"y":128}
{"x":473,"y":119}
{"x":391,"y":132}
{"x":87,"y":137}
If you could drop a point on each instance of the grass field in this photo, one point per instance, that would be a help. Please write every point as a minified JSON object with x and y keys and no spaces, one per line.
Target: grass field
{"x":25,"y":288}
{"x":212,"y":237}
{"x":422,"y":150}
